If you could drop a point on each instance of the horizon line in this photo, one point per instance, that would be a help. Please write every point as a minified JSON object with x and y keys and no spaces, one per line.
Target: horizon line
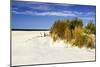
{"x":30,"y":29}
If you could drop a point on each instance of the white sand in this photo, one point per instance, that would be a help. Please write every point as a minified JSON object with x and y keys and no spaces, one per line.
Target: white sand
{"x":28,"y":47}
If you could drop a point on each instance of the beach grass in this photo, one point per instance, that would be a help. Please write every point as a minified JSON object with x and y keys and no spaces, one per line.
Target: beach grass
{"x":73,"y":31}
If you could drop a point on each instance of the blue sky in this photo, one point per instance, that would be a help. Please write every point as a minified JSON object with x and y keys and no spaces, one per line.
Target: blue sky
{"x":39,"y":15}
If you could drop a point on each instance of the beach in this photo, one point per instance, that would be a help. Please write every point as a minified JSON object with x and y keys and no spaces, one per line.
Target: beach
{"x":32,"y":47}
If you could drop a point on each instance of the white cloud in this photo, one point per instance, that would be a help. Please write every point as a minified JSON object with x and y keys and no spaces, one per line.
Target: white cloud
{"x":45,"y":13}
{"x":74,"y":12}
{"x":89,"y":15}
{"x":55,"y":14}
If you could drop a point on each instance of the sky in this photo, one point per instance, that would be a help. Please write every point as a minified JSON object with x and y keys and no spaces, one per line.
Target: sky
{"x":41,"y":15}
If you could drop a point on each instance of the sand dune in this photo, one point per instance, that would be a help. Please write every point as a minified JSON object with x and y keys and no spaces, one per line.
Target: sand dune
{"x":31,"y":47}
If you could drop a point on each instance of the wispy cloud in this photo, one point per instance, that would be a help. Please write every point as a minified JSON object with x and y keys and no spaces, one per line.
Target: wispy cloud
{"x":74,"y":12}
{"x":44,"y":13}
{"x":55,"y":14}
{"x":47,"y":9}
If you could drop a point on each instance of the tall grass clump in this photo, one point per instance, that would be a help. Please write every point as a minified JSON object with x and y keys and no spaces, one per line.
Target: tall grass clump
{"x":82,"y":39}
{"x":57,"y":30}
{"x":72,"y":31}
{"x":78,"y":37}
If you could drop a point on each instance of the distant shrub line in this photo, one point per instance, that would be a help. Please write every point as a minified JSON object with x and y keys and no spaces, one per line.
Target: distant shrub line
{"x":72,"y":31}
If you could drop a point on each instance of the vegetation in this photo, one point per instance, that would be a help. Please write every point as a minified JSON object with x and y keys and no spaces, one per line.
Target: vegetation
{"x":74,"y":32}
{"x":91,"y":28}
{"x":57,"y":30}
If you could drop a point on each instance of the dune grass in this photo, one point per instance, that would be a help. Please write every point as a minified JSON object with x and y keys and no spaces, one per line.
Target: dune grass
{"x":73,"y":31}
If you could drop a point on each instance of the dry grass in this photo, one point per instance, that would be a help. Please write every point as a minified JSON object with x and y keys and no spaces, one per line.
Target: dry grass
{"x":78,"y":37}
{"x":82,"y":39}
{"x":71,"y":32}
{"x":67,"y":35}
